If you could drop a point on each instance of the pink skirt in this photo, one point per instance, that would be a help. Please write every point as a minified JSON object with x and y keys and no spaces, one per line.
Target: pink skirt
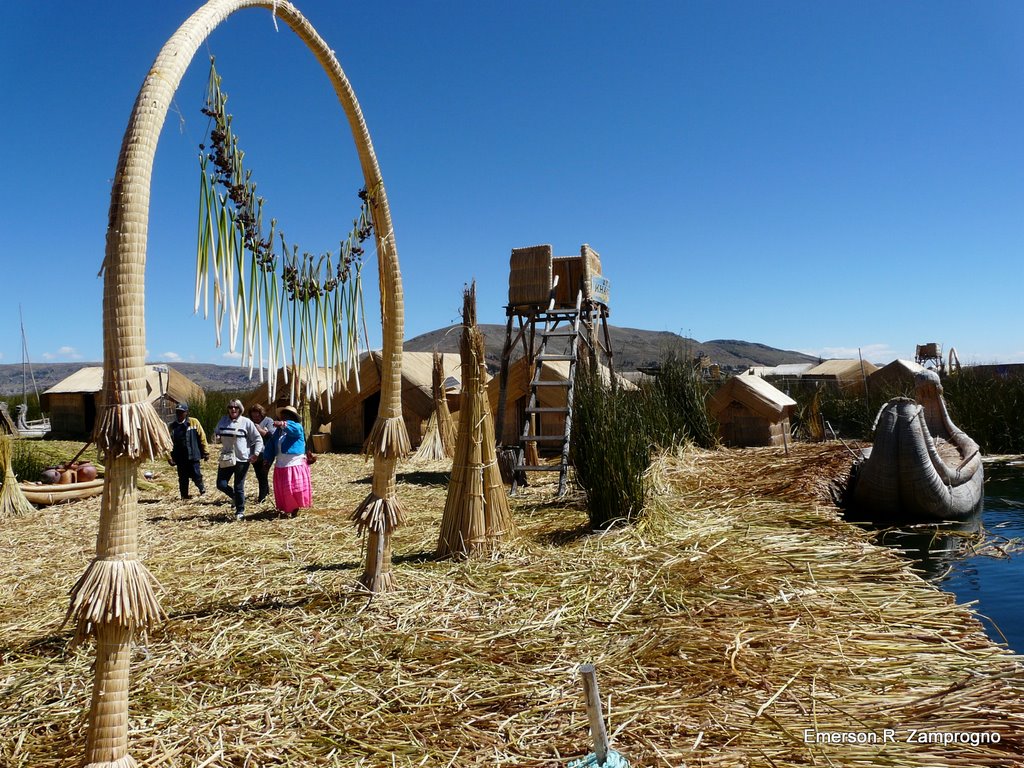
{"x":293,"y":488}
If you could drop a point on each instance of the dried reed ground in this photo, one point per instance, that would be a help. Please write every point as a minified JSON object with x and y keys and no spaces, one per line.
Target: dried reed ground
{"x":744,"y":613}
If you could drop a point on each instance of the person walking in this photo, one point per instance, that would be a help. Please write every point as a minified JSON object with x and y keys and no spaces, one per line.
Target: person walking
{"x":240,"y":446}
{"x":293,"y":486}
{"x":265,"y":426}
{"x":188,"y":449}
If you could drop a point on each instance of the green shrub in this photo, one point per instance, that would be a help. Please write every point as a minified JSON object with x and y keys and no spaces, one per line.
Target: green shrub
{"x":611,"y":451}
{"x":615,"y":433}
{"x":27,"y":462}
{"x":213,"y":406}
{"x":988,"y":408}
{"x":674,"y":405}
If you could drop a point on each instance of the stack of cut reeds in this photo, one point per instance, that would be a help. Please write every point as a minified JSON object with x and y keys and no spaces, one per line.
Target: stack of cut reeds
{"x":439,"y":436}
{"x":12,"y":500}
{"x":476,"y":516}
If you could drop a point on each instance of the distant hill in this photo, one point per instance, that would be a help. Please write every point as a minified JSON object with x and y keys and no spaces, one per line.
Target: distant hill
{"x":633,"y":348}
{"x":206,"y":375}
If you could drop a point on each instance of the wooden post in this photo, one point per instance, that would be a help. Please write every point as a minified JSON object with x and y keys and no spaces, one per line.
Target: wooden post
{"x":594,"y":713}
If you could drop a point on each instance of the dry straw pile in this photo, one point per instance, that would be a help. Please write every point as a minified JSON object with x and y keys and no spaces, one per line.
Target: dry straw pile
{"x":740,"y":614}
{"x":12,"y":501}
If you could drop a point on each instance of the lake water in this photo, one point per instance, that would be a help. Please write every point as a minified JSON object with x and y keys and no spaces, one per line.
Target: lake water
{"x":981,"y":559}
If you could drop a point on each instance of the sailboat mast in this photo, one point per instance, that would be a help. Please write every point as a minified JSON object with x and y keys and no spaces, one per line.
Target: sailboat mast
{"x":24,"y":359}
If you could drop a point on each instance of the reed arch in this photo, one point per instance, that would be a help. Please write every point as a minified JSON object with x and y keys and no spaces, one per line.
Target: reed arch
{"x":115,"y":595}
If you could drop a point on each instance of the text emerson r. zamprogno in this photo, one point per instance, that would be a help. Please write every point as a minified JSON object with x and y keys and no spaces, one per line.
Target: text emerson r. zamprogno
{"x":909,"y":736}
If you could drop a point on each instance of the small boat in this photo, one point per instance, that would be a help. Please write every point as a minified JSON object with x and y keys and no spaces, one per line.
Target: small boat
{"x":46,"y":494}
{"x":920,"y":465}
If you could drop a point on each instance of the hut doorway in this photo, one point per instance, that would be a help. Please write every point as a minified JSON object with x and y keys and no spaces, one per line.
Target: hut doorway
{"x":371,"y":405}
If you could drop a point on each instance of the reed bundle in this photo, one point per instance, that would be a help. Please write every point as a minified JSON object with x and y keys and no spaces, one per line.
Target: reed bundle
{"x":741,"y":613}
{"x":439,"y":436}
{"x":12,"y":500}
{"x":476,"y":516}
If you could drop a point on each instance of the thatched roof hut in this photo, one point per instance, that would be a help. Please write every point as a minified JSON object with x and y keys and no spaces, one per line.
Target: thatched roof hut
{"x":74,"y":401}
{"x":751,"y":412}
{"x":352,"y":411}
{"x":896,"y":376}
{"x":847,"y":375}
{"x":291,"y":389}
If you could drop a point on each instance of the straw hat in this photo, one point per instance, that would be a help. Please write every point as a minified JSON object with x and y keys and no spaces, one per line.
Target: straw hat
{"x":287,"y":410}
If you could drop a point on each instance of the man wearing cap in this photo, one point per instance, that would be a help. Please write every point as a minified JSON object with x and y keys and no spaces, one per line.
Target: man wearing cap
{"x":188,"y":448}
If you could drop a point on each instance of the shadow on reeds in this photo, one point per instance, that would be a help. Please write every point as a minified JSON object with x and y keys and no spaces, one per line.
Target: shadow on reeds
{"x":217,"y":518}
{"x":251,"y":606}
{"x":563,"y":536}
{"x":410,"y":557}
{"x":416,"y":477}
{"x":317,"y":567}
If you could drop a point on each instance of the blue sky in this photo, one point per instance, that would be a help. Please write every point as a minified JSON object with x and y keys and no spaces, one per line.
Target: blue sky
{"x":813,"y":176}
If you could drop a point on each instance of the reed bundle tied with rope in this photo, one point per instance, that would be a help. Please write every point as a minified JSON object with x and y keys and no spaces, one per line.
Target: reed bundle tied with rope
{"x":12,"y":500}
{"x":476,"y":516}
{"x":439,"y":435}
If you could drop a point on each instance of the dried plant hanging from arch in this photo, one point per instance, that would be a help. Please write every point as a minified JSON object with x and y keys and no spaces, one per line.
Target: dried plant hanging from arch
{"x":283,"y":302}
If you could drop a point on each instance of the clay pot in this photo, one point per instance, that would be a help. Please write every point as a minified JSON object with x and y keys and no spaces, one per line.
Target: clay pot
{"x":67,"y":476}
{"x":50,"y":476}
{"x":86,"y":472}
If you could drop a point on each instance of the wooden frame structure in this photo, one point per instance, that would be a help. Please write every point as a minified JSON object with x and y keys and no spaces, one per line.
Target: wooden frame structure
{"x":555,"y":303}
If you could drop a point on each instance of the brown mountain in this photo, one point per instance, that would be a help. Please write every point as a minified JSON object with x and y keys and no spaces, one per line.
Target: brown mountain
{"x":633,"y":348}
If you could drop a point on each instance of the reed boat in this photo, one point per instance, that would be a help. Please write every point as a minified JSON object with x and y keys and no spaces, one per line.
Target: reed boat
{"x":46,"y":494}
{"x":920,"y":465}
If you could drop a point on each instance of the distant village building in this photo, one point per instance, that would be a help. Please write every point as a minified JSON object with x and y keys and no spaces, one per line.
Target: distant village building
{"x":74,"y":402}
{"x":894,"y":378}
{"x":783,"y":371}
{"x":751,"y":412}
{"x":845,"y":375}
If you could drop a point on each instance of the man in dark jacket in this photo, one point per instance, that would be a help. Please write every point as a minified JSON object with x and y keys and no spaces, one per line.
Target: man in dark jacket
{"x":189,"y":448}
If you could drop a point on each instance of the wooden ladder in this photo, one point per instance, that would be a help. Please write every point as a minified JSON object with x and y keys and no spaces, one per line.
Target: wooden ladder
{"x":560,"y":326}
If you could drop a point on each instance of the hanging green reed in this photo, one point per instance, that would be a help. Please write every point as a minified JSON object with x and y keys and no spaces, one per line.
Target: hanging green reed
{"x":285,"y":309}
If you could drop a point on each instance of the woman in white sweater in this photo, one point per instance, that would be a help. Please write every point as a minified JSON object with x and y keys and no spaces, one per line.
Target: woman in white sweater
{"x":240,"y":446}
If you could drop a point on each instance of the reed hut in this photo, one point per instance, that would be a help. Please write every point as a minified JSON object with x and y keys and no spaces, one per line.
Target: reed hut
{"x":751,"y":412}
{"x":846,"y":375}
{"x":517,"y":396}
{"x":303,"y":388}
{"x":896,"y":376}
{"x":74,"y":401}
{"x":353,"y":409}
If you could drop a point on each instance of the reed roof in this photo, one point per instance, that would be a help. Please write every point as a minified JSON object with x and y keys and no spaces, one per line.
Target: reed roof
{"x":756,"y":394}
{"x":417,"y":381}
{"x":841,"y":369}
{"x":89,"y":380}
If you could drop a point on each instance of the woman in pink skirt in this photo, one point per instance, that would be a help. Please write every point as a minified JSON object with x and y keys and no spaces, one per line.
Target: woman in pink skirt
{"x":293,"y":488}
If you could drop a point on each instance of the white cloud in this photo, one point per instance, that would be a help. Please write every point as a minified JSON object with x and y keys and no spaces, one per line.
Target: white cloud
{"x":171,"y":357}
{"x":47,"y":355}
{"x":69,"y":352}
{"x":232,"y":355}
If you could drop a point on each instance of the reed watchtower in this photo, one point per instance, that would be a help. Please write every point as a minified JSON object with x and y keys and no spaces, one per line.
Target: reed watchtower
{"x":557,"y":310}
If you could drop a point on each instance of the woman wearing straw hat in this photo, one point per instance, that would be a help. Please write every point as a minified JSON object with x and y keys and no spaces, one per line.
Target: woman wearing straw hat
{"x":293,"y":487}
{"x":240,"y":445}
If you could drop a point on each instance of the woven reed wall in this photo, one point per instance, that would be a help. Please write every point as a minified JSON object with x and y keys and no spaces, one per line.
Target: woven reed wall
{"x":529,"y":279}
